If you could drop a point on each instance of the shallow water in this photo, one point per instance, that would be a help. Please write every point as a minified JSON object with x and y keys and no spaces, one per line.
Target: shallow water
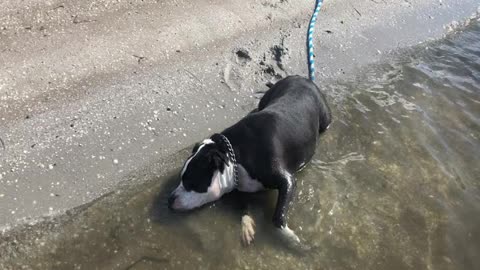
{"x":394,"y":185}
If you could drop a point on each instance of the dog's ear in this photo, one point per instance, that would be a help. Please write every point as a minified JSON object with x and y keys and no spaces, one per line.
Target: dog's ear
{"x":219,"y":142}
{"x":195,"y":148}
{"x":218,"y":159}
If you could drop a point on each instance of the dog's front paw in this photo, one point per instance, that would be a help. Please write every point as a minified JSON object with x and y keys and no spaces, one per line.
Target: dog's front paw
{"x":248,"y":230}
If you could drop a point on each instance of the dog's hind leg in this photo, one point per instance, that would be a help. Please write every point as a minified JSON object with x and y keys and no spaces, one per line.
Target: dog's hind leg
{"x":324,"y":123}
{"x":325,"y":118}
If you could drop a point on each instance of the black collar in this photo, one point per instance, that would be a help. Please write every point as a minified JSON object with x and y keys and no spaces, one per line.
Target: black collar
{"x":231,"y":155}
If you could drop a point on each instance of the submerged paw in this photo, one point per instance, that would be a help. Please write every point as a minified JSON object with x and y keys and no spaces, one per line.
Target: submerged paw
{"x":288,"y":235}
{"x":292,"y":241}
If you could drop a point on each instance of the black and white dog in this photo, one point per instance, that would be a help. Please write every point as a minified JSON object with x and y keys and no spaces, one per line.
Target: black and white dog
{"x":262,"y":151}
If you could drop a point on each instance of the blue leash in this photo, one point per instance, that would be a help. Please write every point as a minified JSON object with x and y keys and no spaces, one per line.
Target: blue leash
{"x":311,"y":29}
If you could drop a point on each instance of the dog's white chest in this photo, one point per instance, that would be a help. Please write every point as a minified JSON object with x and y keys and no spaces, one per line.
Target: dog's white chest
{"x":247,"y":183}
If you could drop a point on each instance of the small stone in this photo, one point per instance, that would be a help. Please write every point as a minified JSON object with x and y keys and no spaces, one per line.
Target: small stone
{"x":50,"y":166}
{"x":115,"y":161}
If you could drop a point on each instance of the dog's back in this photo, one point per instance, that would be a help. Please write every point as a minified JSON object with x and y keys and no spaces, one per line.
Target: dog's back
{"x":285,"y":127}
{"x":297,"y":97}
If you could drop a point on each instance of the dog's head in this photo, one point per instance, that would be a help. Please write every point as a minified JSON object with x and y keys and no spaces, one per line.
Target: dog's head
{"x":205,"y":177}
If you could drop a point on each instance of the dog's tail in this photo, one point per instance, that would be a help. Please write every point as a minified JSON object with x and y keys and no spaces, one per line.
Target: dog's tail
{"x":311,"y":30}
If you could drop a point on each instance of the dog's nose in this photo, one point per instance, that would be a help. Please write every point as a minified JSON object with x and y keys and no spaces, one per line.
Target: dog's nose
{"x":171,"y":200}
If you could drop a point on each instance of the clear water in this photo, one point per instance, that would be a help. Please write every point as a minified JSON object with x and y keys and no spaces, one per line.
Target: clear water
{"x":395,"y":184}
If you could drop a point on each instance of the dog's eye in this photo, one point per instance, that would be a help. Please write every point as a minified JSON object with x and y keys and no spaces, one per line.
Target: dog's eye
{"x":195,"y":148}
